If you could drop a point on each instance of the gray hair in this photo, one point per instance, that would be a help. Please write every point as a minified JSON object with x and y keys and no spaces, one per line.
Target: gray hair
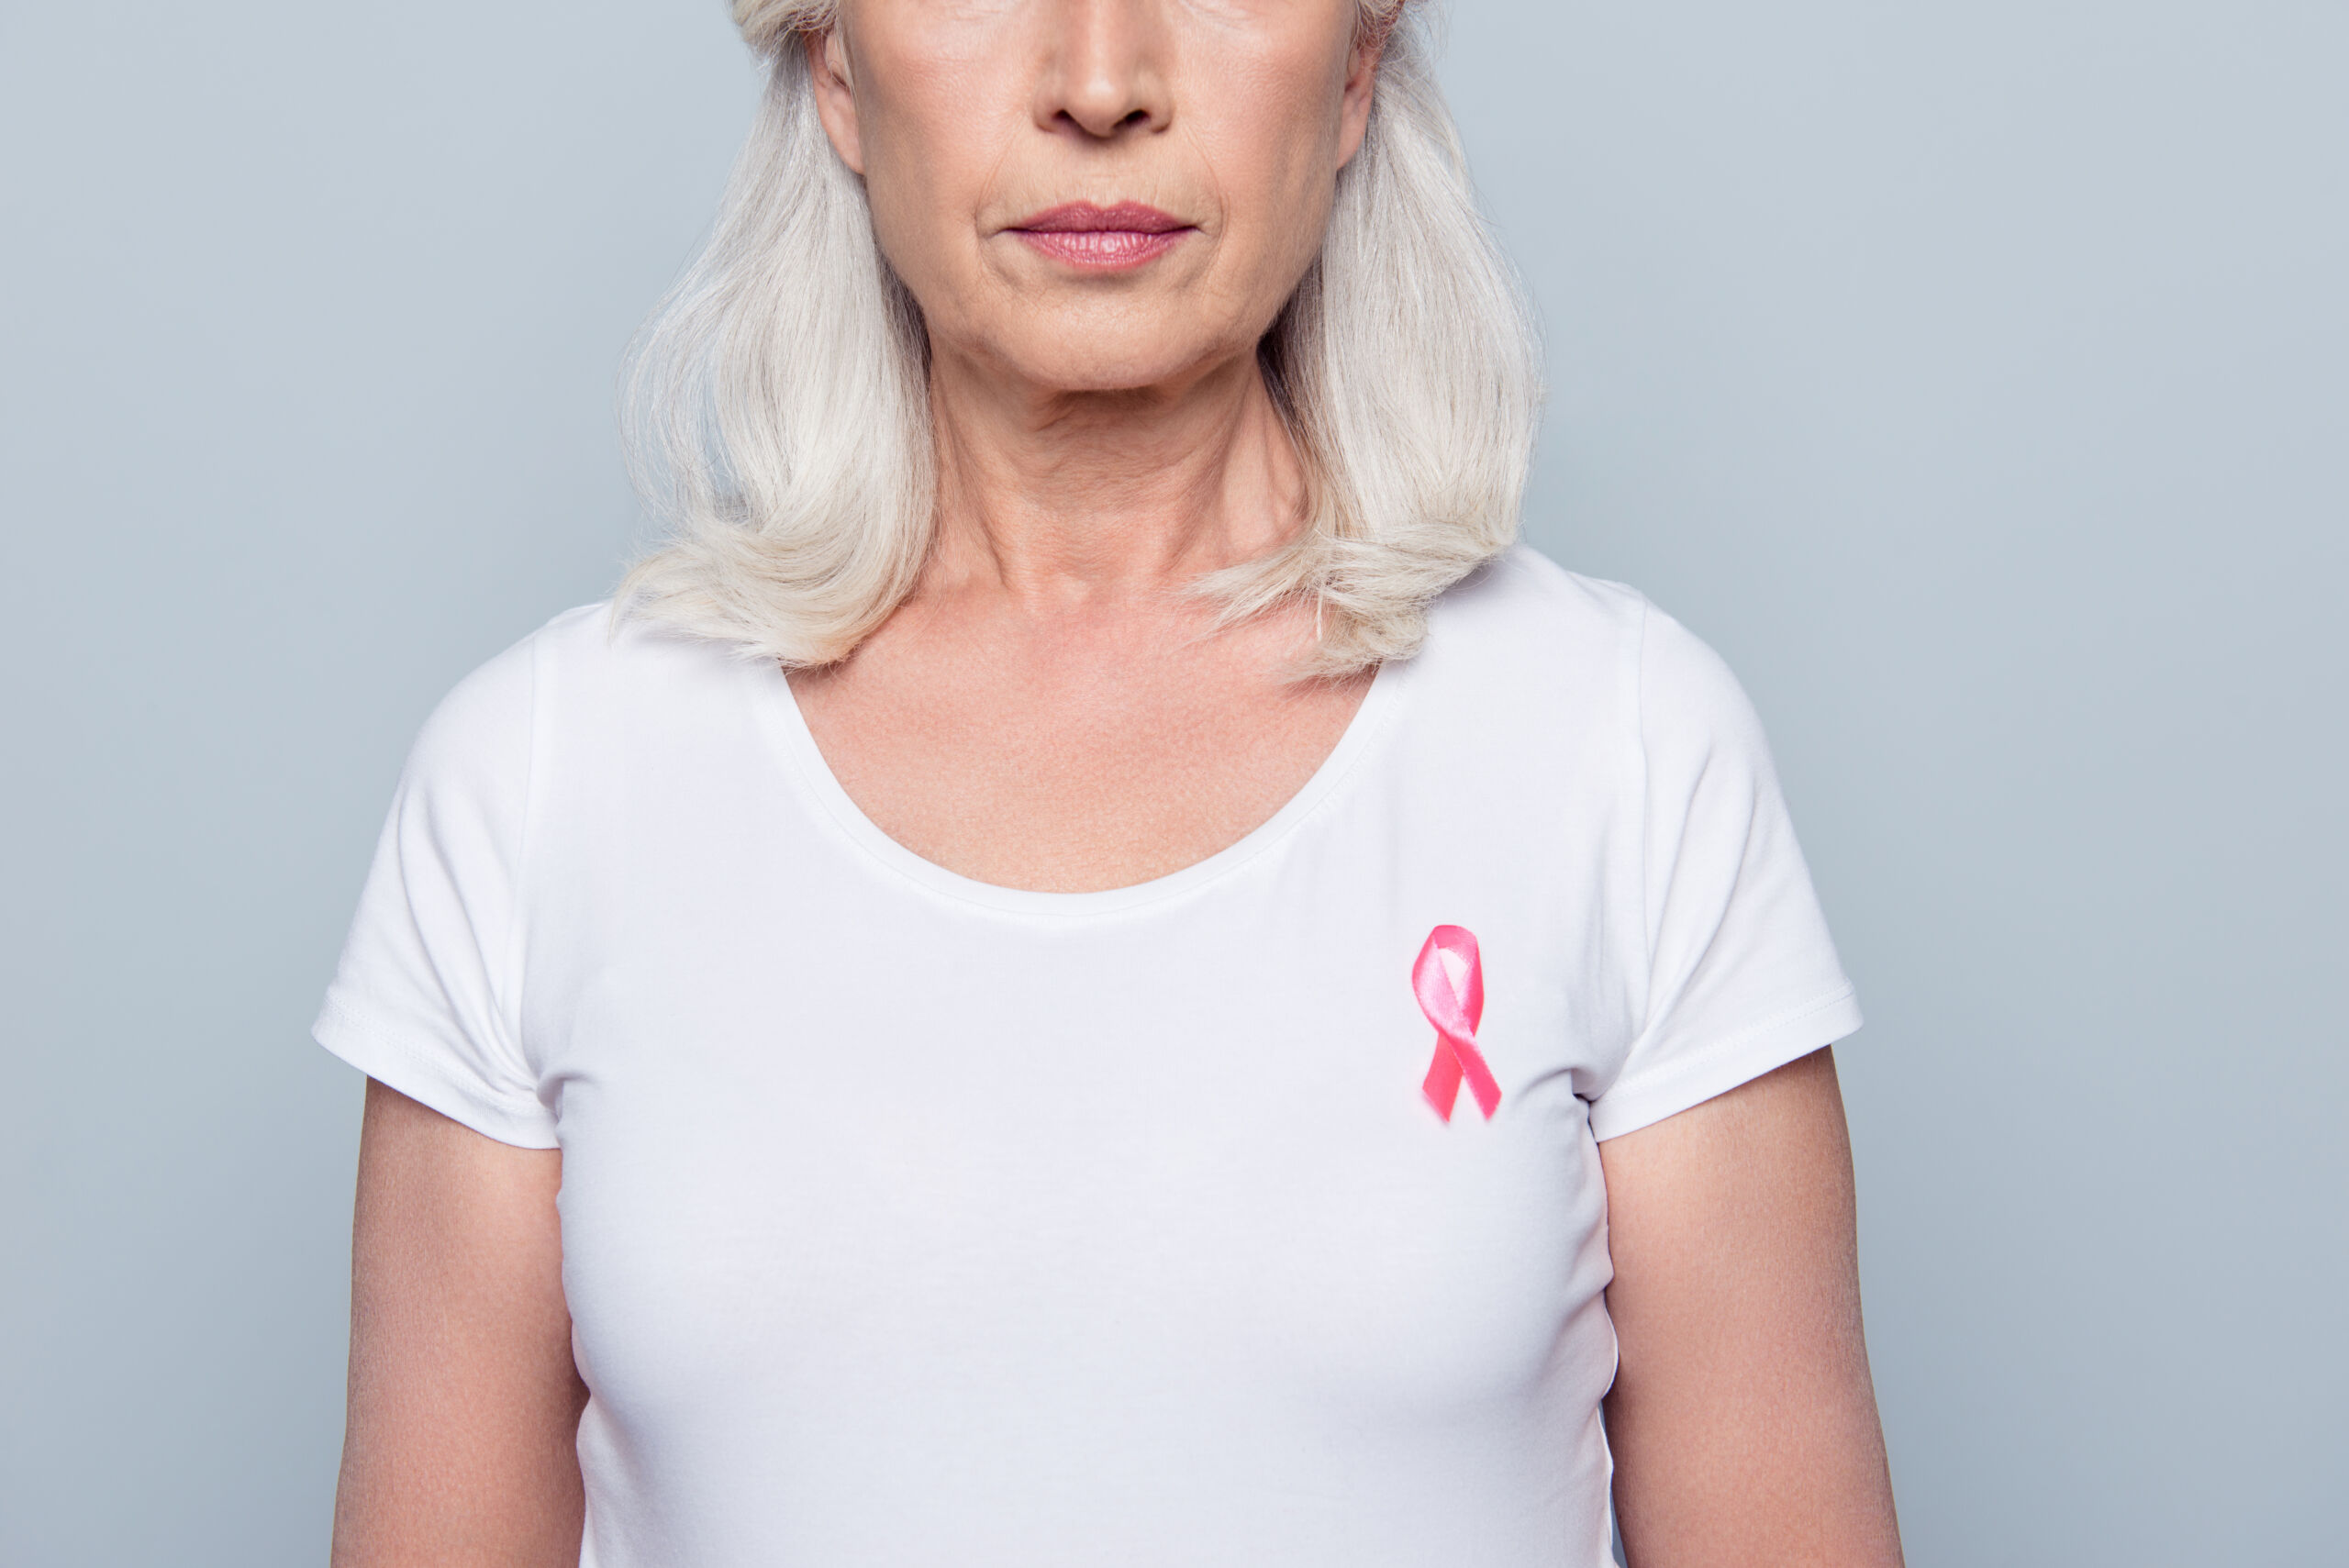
{"x":778,"y":414}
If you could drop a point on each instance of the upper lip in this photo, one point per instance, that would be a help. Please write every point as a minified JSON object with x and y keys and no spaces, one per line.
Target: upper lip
{"x":1083,"y":217}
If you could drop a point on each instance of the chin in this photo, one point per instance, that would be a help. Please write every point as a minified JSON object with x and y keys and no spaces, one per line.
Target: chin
{"x":1095,"y":373}
{"x":1091,"y":355}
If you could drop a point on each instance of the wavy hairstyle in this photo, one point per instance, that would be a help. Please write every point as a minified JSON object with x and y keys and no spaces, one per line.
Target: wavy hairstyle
{"x":777,"y":403}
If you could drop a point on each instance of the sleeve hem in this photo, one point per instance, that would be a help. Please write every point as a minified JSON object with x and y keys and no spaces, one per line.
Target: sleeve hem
{"x":395,"y":1065}
{"x":1644,"y":1100}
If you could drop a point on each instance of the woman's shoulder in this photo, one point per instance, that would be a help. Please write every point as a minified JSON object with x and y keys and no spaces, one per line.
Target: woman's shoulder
{"x":1524,"y":615}
{"x":603,"y":652}
{"x":606,"y":647}
{"x":588,"y":668}
{"x":1523,"y":597}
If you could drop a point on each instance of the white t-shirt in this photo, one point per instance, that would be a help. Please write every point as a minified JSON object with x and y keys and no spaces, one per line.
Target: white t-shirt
{"x":908,"y":1220}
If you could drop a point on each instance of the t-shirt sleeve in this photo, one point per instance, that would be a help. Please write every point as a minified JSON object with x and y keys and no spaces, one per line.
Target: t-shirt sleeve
{"x":1740,"y":975}
{"x":425,"y":999}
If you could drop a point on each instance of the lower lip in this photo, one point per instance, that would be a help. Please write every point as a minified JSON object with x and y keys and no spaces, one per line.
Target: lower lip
{"x":1103,"y":250}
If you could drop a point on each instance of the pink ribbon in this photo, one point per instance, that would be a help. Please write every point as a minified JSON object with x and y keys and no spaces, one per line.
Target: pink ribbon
{"x":1449,"y":980}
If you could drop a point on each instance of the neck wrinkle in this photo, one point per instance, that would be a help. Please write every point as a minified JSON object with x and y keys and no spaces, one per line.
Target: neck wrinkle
{"x":1062,"y":500}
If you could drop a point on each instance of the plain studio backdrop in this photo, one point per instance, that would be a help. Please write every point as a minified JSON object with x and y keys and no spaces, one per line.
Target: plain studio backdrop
{"x":1976,"y":377}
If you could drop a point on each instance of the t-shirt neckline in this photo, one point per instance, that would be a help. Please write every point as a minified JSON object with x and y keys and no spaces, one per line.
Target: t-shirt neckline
{"x":779,"y":709}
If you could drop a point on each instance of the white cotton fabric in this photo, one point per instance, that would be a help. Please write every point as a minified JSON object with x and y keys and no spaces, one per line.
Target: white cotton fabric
{"x":910,"y":1221}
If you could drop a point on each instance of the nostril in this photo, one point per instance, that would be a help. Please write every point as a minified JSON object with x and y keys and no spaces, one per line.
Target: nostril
{"x":1069,"y":118}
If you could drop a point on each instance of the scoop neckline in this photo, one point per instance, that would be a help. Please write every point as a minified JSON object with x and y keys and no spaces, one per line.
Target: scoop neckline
{"x":788,"y":724}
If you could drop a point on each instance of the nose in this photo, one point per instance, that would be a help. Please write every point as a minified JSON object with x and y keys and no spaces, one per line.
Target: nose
{"x":1108,"y":74}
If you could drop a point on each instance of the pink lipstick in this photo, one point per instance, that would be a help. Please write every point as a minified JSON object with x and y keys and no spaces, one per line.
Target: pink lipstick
{"x":1103,"y":239}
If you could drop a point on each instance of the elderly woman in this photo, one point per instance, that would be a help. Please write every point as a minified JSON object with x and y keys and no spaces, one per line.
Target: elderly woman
{"x":1091,"y":966}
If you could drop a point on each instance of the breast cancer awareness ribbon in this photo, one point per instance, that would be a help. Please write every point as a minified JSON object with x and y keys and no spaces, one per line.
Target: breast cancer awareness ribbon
{"x":1449,"y":980}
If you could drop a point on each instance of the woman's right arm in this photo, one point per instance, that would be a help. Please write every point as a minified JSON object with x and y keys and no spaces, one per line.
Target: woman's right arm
{"x":464,"y":1401}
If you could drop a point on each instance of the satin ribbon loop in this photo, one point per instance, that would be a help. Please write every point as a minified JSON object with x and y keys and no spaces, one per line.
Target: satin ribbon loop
{"x":1448,"y":977}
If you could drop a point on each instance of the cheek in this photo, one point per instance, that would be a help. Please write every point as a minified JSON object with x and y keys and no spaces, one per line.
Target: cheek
{"x":910,"y":197}
{"x":930,"y":156}
{"x":1271,"y":145}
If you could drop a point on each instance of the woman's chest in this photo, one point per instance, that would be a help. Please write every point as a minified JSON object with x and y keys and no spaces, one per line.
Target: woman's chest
{"x":891,"y":1136}
{"x":830,"y":1115}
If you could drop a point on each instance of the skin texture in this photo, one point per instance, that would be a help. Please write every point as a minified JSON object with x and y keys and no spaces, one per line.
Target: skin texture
{"x":1743,"y":1419}
{"x":1052,"y":710}
{"x":464,"y":1403}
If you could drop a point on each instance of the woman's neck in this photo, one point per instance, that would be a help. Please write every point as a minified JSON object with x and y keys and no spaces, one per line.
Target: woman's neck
{"x":1077,"y":501}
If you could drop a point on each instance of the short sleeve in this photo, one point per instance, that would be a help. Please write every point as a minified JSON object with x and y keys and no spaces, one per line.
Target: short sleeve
{"x":425,"y":999}
{"x":1740,"y":975}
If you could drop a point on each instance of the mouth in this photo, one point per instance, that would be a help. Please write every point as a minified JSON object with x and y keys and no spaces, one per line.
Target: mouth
{"x":1102,"y":239}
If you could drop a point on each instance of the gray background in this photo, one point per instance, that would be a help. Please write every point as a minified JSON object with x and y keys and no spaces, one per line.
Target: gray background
{"x":1972,"y":375}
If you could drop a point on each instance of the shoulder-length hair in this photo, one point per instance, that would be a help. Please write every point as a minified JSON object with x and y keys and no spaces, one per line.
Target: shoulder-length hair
{"x":777,"y":402}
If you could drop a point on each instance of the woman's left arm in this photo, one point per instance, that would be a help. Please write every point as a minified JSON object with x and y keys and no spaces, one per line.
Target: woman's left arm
{"x":1742,"y":1419}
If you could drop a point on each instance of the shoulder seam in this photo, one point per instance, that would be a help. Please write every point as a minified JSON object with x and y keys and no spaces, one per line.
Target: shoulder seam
{"x":1644,"y":936}
{"x":511,"y":966}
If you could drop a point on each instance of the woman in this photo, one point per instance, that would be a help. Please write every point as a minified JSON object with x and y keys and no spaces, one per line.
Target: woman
{"x":1093,"y":968}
